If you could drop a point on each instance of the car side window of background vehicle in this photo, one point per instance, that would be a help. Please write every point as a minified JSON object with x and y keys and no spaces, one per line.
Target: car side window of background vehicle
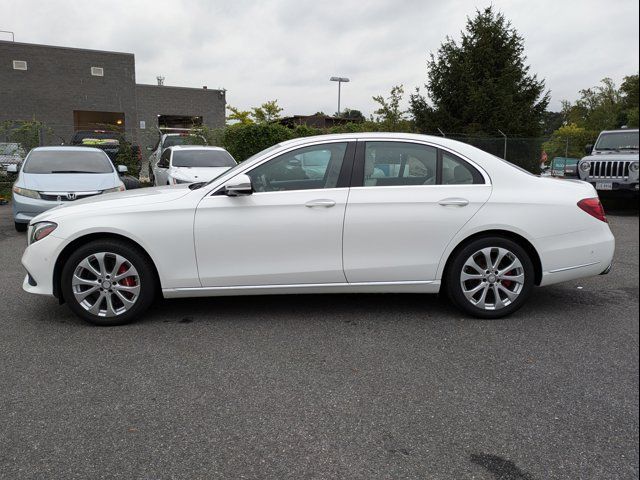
{"x":313,"y":167}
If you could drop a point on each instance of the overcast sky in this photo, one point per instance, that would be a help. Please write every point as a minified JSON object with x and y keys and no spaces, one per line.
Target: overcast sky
{"x":288,"y":49}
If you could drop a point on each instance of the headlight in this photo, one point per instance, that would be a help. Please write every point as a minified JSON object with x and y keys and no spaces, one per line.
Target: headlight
{"x":585,"y":166}
{"x":25,"y":192}
{"x":40,"y":230}
{"x":119,"y":188}
{"x":634,"y":167}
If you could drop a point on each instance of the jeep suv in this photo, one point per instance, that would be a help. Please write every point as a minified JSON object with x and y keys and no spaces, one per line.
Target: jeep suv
{"x":612,"y":163}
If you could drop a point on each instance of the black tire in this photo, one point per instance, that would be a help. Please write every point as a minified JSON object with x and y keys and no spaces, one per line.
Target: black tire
{"x":21,"y":227}
{"x":135,"y":256}
{"x":454,"y":271}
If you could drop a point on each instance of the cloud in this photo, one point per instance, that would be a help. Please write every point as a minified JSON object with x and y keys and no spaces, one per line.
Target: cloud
{"x":288,"y":49}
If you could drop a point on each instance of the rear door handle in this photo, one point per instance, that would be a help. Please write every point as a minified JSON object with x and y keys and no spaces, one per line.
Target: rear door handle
{"x":454,"y":202}
{"x":321,"y":202}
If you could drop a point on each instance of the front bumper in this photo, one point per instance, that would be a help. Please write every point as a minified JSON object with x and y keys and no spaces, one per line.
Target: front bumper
{"x":39,"y":261}
{"x":25,"y":208}
{"x":616,"y":186}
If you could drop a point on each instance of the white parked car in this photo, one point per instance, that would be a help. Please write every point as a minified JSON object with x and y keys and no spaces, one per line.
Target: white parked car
{"x":392,"y":213}
{"x":178,"y":136}
{"x":191,"y":163}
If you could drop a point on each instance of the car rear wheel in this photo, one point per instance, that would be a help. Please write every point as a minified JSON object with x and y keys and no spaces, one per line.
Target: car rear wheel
{"x":108,"y":282}
{"x":490,"y":277}
{"x":21,"y":227}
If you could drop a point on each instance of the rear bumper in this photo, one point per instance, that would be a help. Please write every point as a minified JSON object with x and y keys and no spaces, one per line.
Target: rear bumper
{"x":576,"y":255}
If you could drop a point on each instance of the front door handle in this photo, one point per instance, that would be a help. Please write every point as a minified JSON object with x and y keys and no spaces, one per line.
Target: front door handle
{"x":454,"y":202}
{"x":321,"y":202}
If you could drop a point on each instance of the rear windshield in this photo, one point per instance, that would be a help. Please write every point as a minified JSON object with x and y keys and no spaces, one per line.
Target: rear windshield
{"x":202,"y":158}
{"x":173,"y":140}
{"x":618,"y":141}
{"x":67,"y":161}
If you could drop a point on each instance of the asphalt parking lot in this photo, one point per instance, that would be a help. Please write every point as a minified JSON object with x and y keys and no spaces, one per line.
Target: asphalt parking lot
{"x":341,"y":386}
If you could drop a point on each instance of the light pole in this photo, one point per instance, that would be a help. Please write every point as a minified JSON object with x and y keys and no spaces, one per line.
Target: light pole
{"x":339,"y":80}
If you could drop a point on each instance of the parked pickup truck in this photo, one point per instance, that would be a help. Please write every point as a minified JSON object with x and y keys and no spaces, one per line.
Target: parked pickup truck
{"x":612,"y":163}
{"x":105,"y":140}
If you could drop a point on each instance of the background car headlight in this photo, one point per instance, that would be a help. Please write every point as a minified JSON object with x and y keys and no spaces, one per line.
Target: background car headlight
{"x":119,"y":188}
{"x":25,"y":192}
{"x":40,"y":230}
{"x":585,"y":166}
{"x":634,"y":167}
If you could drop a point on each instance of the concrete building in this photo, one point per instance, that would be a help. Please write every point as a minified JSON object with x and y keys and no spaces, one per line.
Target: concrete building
{"x":72,"y":89}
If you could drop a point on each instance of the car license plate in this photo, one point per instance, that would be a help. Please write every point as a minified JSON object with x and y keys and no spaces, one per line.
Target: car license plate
{"x":604,"y":185}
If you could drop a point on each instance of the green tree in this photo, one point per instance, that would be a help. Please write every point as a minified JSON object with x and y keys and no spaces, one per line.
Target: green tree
{"x":481,"y":84}
{"x":569,"y":141}
{"x":29,"y":134}
{"x":239,"y":116}
{"x":630,"y":101}
{"x":389,"y":113}
{"x":267,"y":112}
{"x":351,"y":114}
{"x":598,"y":108}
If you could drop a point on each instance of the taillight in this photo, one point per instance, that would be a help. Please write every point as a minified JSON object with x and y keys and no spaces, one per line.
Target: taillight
{"x":594,"y":208}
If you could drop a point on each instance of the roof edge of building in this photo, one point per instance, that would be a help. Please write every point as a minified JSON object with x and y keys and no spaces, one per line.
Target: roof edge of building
{"x":42,"y":45}
{"x":180,"y":88}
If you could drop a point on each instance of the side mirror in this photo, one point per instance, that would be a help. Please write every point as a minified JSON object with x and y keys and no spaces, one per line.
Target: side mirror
{"x":588,"y":149}
{"x":13,"y":168}
{"x":122,"y":169}
{"x":238,"y":185}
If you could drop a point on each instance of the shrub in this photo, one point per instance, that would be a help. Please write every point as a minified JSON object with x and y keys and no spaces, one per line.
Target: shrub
{"x":243,"y":141}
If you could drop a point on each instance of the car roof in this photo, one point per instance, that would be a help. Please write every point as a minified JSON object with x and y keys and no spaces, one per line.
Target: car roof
{"x":66,"y":149}
{"x":620,"y":130}
{"x":195,"y":147}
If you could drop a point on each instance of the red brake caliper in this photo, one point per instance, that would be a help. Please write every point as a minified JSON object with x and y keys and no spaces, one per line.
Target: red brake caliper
{"x":507,"y":283}
{"x":127,"y":281}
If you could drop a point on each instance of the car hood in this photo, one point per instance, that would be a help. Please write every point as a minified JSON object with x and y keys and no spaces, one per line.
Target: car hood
{"x":197,"y":174}
{"x":72,"y":182}
{"x":615,"y":157}
{"x":113,"y":202}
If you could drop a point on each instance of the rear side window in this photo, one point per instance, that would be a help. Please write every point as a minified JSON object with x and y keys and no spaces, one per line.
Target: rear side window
{"x":67,"y":161}
{"x":405,"y":163}
{"x":399,"y":163}
{"x":456,"y":171}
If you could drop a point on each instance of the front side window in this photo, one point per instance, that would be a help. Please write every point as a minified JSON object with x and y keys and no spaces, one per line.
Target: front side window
{"x":399,"y":163}
{"x":307,"y":168}
{"x":67,"y":161}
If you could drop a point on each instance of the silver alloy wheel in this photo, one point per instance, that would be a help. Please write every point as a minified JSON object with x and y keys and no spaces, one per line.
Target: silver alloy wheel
{"x":106,"y":284}
{"x":492,"y":278}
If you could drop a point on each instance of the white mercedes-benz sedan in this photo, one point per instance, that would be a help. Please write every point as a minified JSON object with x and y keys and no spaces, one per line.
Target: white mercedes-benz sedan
{"x":374,"y":212}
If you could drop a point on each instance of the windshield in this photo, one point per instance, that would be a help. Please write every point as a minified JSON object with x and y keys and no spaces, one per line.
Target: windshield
{"x":618,"y":141}
{"x":173,"y":140}
{"x":67,"y":161}
{"x":202,"y":158}
{"x":259,"y":154}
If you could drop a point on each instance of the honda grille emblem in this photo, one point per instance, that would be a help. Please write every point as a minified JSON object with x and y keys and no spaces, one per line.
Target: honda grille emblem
{"x":71,"y":196}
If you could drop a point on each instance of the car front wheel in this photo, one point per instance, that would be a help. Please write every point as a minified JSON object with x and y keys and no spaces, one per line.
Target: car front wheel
{"x":108,"y":282}
{"x":490,"y":278}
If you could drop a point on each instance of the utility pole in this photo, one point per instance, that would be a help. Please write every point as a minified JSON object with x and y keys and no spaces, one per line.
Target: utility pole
{"x":339,"y":80}
{"x":505,"y":143}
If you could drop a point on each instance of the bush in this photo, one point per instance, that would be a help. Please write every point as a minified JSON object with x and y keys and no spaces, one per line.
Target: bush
{"x":243,"y":141}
